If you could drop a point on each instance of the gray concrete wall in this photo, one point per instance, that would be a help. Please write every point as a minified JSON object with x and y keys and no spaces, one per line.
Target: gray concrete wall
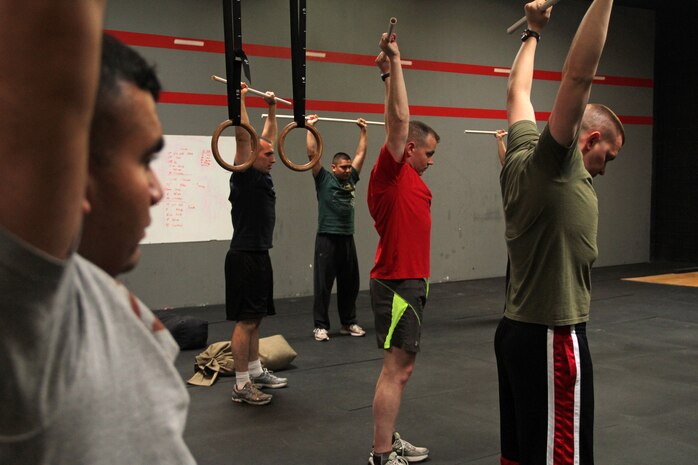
{"x":467,"y":235}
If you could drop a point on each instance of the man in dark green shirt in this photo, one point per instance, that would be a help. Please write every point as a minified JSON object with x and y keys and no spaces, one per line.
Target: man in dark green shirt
{"x":335,"y":252}
{"x":545,"y":371}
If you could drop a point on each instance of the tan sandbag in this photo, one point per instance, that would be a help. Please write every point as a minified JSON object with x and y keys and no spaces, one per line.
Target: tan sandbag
{"x":275,"y":352}
{"x":216,"y":360}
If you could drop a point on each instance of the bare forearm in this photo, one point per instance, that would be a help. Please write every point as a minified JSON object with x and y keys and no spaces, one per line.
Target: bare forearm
{"x":519,"y":104}
{"x":501,"y":151}
{"x":244,"y":117}
{"x":386,"y":99}
{"x":310,"y":145}
{"x":587,"y":45}
{"x":70,"y":54}
{"x":243,"y":139}
{"x":397,"y":109}
{"x":578,"y":72}
{"x":363,"y":143}
{"x":521,"y":75}
{"x":360,"y":154}
{"x":270,"y":130}
{"x":311,"y":148}
{"x":397,"y":112}
{"x":41,"y":191}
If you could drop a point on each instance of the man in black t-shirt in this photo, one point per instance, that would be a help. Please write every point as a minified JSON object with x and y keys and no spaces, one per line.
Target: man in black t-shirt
{"x":249,"y":279}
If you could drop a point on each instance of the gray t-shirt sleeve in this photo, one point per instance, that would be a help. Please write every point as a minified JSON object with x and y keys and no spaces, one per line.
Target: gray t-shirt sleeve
{"x":87,"y":373}
{"x":35,"y":289}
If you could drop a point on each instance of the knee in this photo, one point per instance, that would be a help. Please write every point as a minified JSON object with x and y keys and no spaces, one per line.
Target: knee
{"x":247,"y":326}
{"x":400,"y":375}
{"x":404,"y":376}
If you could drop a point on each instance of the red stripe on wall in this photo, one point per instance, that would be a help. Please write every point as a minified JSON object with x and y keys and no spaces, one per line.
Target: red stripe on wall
{"x":185,"y":98}
{"x":216,"y":46}
{"x":363,"y":108}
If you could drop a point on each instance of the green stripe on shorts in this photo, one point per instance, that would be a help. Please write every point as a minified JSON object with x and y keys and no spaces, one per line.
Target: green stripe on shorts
{"x":399,"y":307}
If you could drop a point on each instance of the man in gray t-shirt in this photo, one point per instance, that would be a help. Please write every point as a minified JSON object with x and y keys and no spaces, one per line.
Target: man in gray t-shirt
{"x":87,"y":370}
{"x":335,"y":251}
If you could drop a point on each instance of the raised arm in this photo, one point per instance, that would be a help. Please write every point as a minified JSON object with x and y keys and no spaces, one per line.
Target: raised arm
{"x":397,"y":111}
{"x":243,"y":140}
{"x":519,"y":106}
{"x":578,"y":72}
{"x":270,"y":130}
{"x":384,"y":67}
{"x":44,"y":123}
{"x":501,"y":147}
{"x":311,"y":144}
{"x":360,"y":155}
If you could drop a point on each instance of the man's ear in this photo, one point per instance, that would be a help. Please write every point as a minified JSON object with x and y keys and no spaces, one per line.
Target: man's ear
{"x":410,"y":146}
{"x":593,"y":138}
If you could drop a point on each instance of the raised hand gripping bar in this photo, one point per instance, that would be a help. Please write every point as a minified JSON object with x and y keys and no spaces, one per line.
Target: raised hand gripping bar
{"x":252,"y":91}
{"x":522,"y":21}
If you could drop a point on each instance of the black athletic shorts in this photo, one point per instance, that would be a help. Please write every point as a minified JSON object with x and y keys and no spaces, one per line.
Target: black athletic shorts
{"x":398,"y":306}
{"x":249,"y":285}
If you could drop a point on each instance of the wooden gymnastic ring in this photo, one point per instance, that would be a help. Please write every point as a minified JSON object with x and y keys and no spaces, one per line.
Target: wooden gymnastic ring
{"x":282,"y":153}
{"x":217,"y":155}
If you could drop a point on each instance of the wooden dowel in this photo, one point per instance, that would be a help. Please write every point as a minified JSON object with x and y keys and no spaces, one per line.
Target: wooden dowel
{"x":477,"y":131}
{"x":252,"y":91}
{"x":391,"y":26}
{"x":334,"y":120}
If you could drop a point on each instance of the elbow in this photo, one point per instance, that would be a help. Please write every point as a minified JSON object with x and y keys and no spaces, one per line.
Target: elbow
{"x":517,"y":91}
{"x":510,"y":97}
{"x":578,"y":76}
{"x":516,"y":95}
{"x":399,"y":116}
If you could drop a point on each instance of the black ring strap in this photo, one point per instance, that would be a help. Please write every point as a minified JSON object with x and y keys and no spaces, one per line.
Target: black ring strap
{"x":298,"y":21}
{"x":235,"y":57}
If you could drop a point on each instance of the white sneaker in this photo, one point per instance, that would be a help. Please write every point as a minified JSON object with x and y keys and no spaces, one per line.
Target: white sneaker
{"x":394,"y":459}
{"x":408,"y":451}
{"x":268,"y":380}
{"x":321,"y":334}
{"x":352,"y":330}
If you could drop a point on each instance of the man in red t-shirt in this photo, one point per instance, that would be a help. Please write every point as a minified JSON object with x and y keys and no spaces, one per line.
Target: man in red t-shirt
{"x":400,"y":204}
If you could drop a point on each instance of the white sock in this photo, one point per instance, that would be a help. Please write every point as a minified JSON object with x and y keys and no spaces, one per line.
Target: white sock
{"x":242,"y":378}
{"x":255,"y":368}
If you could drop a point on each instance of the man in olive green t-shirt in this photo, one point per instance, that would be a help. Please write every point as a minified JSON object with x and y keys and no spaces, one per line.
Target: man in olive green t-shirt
{"x":551,"y":214}
{"x":335,"y":251}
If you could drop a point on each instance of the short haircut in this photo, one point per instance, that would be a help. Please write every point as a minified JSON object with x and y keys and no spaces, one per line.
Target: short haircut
{"x":119,"y":64}
{"x":122,"y":63}
{"x":600,"y":118}
{"x":419,"y":132}
{"x":340,"y":156}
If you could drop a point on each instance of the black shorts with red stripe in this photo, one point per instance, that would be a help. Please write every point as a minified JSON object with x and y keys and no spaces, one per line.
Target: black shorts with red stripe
{"x":546,"y":394}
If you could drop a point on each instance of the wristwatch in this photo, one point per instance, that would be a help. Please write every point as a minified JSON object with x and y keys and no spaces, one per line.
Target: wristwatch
{"x":529,"y":33}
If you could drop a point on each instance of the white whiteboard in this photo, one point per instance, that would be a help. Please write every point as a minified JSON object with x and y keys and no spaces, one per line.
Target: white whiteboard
{"x":195,"y":204}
